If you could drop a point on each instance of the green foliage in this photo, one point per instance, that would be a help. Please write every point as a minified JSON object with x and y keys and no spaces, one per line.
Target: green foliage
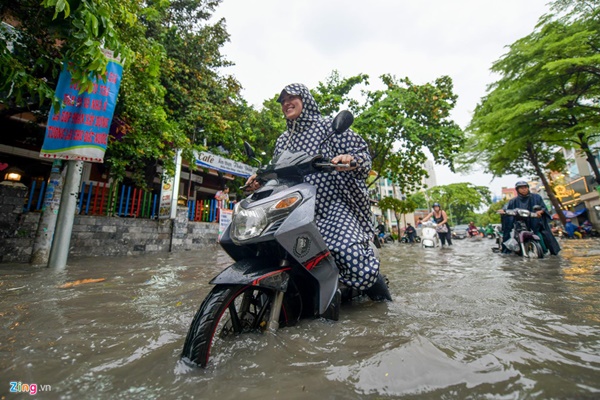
{"x":178,"y":99}
{"x":396,"y":205}
{"x":398,"y":123}
{"x":87,"y":27}
{"x":419,"y":199}
{"x":335,"y":93}
{"x":491,"y":216}
{"x":460,"y":200}
{"x":399,"y":207}
{"x":547,"y":96}
{"x":171,"y":95}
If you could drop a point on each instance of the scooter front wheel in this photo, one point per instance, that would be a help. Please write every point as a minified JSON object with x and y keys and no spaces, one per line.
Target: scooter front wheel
{"x":226,"y":313}
{"x":534,"y":250}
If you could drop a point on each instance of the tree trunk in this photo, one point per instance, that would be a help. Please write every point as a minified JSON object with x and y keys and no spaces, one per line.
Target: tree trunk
{"x":549,"y":190}
{"x":589,"y":156}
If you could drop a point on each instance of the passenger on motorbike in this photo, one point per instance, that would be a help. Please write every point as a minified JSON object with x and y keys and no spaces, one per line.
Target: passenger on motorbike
{"x":343,"y":213}
{"x":540,"y":226}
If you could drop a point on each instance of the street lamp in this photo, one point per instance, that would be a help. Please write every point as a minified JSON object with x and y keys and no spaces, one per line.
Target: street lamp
{"x":13,"y":176}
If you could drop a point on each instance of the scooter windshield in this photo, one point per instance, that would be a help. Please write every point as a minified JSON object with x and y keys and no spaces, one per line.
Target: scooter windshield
{"x":287,"y":158}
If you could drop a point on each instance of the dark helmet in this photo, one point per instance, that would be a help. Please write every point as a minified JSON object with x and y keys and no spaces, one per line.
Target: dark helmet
{"x":436,"y":204}
{"x":521,"y":183}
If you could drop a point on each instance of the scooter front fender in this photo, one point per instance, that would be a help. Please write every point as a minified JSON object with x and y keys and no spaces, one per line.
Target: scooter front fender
{"x":261,"y":272}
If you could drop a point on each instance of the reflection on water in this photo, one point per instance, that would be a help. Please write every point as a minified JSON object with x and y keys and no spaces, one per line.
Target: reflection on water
{"x":465,"y":323}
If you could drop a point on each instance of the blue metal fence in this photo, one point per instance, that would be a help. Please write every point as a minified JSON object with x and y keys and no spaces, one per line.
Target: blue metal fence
{"x":205,"y":210}
{"x":101,"y":199}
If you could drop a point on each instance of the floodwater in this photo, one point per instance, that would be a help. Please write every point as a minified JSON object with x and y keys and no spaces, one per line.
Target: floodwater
{"x":465,"y":323}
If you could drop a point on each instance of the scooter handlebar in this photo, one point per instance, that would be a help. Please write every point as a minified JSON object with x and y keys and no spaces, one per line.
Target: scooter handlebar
{"x":327,"y":164}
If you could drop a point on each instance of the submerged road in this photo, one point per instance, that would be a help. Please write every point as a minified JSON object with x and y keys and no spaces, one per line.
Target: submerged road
{"x":465,"y":323}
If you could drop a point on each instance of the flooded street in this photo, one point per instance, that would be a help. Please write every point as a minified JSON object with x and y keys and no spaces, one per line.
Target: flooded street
{"x":465,"y":323}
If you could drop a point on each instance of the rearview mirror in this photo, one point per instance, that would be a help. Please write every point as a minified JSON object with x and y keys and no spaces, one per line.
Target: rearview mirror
{"x":340,"y":124}
{"x":249,"y":150}
{"x":342,"y":121}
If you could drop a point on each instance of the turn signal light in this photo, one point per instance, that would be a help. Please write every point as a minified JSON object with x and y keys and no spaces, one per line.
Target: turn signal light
{"x":287,"y":202}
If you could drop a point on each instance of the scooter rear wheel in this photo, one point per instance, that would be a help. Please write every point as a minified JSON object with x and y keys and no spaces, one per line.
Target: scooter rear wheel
{"x":226,"y":313}
{"x":534,"y":250}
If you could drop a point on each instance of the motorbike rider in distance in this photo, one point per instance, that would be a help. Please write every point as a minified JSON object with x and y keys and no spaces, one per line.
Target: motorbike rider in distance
{"x":540,"y":226}
{"x":343,"y":214}
{"x":472,"y":230}
{"x":411,"y":232}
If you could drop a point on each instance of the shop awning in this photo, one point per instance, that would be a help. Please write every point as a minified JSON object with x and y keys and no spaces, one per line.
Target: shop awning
{"x":205,"y":159}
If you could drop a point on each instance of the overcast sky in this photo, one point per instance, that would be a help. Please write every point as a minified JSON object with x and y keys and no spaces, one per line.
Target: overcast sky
{"x":275,"y":42}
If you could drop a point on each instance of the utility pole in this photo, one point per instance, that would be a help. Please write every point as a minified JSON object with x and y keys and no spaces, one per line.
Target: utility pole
{"x":66,"y":214}
{"x":47,"y":225}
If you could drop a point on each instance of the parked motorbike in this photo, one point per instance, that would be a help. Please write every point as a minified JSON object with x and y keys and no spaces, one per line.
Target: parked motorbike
{"x":430,"y":237}
{"x":522,"y":240}
{"x":283,"y":270}
{"x":489,"y":232}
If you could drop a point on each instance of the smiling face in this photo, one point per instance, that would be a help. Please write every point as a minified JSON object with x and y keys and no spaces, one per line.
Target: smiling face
{"x":291,"y":106}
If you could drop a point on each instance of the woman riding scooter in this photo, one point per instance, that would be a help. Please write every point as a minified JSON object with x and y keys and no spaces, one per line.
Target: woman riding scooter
{"x":343,"y":213}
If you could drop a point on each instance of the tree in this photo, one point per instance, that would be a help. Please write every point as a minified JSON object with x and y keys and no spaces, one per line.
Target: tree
{"x":398,"y":122}
{"x":57,"y":31}
{"x":419,"y":199}
{"x":556,"y":69}
{"x":193,"y":104}
{"x":491,"y":216}
{"x":460,"y":200}
{"x":172,"y":93}
{"x":399,"y":207}
{"x":547,"y":97}
{"x":507,"y":140}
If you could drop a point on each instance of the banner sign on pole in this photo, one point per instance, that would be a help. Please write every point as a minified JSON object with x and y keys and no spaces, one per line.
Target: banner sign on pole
{"x":169,"y":190}
{"x":212,"y":161}
{"x":79,"y":131}
{"x":166,"y":199}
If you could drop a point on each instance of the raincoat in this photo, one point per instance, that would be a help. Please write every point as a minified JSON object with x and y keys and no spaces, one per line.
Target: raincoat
{"x":343,"y":213}
{"x":540,"y":226}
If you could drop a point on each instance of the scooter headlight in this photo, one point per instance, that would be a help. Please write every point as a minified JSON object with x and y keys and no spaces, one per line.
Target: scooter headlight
{"x":249,"y":223}
{"x":524,"y":213}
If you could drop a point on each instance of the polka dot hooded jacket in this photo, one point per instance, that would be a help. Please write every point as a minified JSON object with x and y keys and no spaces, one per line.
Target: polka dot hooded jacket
{"x":343,"y":213}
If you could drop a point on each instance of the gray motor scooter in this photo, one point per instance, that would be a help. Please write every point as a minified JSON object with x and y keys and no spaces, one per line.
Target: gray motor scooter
{"x":283,"y":270}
